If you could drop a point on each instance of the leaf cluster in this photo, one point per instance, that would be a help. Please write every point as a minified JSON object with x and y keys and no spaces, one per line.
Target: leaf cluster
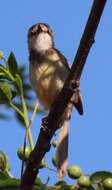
{"x":14,"y":84}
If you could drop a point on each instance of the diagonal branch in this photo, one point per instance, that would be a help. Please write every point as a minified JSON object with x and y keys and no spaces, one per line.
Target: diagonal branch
{"x":50,"y":124}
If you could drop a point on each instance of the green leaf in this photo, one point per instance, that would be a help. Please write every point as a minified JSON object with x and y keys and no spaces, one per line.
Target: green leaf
{"x":9,"y":184}
{"x":5,"y":73}
{"x":60,"y":182}
{"x":3,"y":77}
{"x":38,"y":181}
{"x":18,"y":84}
{"x":99,"y":187}
{"x":3,"y":99}
{"x":99,"y":176}
{"x":1,"y":74}
{"x":84,"y":188}
{"x":5,"y":91}
{"x":2,"y":69}
{"x":3,"y":176}
{"x":4,"y":162}
{"x":14,"y":184}
{"x":12,"y":64}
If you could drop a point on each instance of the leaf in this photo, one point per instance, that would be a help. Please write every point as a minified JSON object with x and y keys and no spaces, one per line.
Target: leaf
{"x":3,"y":77}
{"x":18,"y":84}
{"x":38,"y":181}
{"x":99,"y":176}
{"x":12,"y":64}
{"x":4,"y":73}
{"x":10,"y":184}
{"x":3,"y":176}
{"x":99,"y":187}
{"x":5,"y":91}
{"x":4,"y":162}
{"x":1,"y":74}
{"x":3,"y":99}
{"x":84,"y":188}
{"x":14,"y":184}
{"x":14,"y":93}
{"x":2,"y":69}
{"x":60,"y":182}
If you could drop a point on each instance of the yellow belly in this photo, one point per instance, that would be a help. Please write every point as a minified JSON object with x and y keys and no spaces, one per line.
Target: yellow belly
{"x":47,"y":80}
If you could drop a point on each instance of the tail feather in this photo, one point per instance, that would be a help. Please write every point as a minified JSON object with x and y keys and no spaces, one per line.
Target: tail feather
{"x":62,"y":151}
{"x":76,"y":100}
{"x":62,"y":144}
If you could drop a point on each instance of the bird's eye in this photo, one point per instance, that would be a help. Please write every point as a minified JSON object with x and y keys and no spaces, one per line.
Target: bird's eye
{"x":32,"y":33}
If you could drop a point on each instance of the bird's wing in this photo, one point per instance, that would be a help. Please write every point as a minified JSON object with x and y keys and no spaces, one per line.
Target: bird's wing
{"x":63,"y":58}
{"x":76,"y":98}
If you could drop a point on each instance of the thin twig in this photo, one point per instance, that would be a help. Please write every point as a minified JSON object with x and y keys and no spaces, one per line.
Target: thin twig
{"x":26,"y":134}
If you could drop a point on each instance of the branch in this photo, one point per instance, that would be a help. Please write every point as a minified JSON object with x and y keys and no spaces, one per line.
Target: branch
{"x":50,"y":124}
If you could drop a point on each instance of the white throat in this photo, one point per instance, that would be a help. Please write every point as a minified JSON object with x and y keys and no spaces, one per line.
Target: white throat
{"x":43,"y":42}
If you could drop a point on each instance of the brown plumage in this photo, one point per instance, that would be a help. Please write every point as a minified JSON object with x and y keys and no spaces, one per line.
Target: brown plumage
{"x":48,"y":72}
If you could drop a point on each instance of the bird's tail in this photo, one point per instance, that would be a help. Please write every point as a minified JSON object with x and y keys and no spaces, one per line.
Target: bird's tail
{"x":62,"y":144}
{"x":62,"y":151}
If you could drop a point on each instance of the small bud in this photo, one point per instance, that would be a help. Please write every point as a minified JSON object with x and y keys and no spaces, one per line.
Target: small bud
{"x":21,"y":154}
{"x":107,"y":183}
{"x":84,"y":181}
{"x":74,"y":171}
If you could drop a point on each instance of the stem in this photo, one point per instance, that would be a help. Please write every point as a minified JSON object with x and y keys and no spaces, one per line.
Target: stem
{"x":8,"y":73}
{"x":24,"y":116}
{"x":27,"y":124}
{"x":28,"y":132}
{"x":16,"y":109}
{"x":24,"y":113}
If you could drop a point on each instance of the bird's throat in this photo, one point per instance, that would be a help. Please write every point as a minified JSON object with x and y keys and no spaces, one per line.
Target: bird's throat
{"x":43,"y":42}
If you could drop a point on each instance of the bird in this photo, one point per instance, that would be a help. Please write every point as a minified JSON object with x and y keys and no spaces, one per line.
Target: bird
{"x":48,"y":71}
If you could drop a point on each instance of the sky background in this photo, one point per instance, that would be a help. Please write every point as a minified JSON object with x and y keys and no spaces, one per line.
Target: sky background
{"x":91,"y":134}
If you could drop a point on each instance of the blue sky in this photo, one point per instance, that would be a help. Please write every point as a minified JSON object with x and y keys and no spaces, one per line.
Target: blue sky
{"x":90,"y":135}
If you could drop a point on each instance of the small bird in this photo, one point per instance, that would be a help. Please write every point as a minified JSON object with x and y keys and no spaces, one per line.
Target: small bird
{"x":48,"y":72}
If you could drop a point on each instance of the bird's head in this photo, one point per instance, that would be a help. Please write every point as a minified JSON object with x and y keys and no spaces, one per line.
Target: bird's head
{"x":40,"y":37}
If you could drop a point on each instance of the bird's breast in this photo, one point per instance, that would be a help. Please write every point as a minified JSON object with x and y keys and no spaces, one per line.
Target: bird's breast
{"x":47,"y":79}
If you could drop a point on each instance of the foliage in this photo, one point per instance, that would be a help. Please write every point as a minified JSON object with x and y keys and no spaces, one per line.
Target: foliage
{"x":15,"y":93}
{"x":100,"y":180}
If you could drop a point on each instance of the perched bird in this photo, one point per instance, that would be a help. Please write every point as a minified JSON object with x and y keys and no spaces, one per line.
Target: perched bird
{"x":48,"y":72}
